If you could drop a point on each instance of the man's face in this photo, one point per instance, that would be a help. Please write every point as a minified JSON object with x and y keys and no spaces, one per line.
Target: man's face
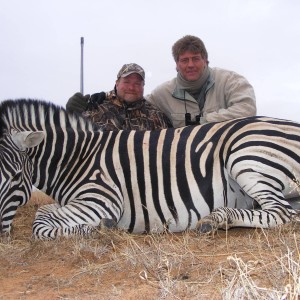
{"x":130,"y":88}
{"x":191,"y":65}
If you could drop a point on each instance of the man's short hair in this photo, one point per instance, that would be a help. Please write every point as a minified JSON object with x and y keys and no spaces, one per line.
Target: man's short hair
{"x":189,"y":43}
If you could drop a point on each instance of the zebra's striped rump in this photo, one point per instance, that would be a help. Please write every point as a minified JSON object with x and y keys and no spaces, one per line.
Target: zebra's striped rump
{"x":156,"y":180}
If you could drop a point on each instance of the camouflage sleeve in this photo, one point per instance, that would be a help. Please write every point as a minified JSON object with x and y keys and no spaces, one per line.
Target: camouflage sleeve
{"x":159,"y":119}
{"x":104,"y":117}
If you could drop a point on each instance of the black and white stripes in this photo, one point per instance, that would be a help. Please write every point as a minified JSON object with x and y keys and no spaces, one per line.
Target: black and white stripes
{"x":149,"y":181}
{"x":15,"y":172}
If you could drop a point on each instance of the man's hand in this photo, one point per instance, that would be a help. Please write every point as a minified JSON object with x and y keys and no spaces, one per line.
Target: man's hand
{"x":77,"y":103}
{"x":95,"y":100}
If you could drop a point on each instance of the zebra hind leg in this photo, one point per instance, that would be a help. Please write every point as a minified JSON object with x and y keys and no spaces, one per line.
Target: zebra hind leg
{"x":222,"y":218}
{"x":226,"y":218}
{"x":274,"y":210}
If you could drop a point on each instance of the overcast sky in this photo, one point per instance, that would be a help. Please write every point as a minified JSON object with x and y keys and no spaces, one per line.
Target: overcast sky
{"x":40,"y":45}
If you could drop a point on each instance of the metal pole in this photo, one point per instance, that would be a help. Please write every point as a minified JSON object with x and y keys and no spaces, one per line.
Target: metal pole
{"x":81,"y":65}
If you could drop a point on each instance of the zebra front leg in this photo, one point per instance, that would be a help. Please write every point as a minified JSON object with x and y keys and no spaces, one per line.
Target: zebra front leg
{"x":77,"y":218}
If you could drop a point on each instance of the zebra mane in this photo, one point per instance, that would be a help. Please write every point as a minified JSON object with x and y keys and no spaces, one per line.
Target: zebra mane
{"x":32,"y":114}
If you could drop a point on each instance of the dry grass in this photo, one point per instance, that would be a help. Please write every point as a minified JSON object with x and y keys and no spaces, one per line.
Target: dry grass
{"x":238,"y":264}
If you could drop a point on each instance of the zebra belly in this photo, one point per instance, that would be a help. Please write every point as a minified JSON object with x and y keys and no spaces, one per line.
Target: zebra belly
{"x":156,"y":225}
{"x":148,"y":219}
{"x":237,"y":197}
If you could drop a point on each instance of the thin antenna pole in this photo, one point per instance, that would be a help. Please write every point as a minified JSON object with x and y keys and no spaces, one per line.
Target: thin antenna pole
{"x":81,"y":65}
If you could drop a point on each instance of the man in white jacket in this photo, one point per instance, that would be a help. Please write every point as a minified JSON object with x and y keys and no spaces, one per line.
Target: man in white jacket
{"x":200,"y":94}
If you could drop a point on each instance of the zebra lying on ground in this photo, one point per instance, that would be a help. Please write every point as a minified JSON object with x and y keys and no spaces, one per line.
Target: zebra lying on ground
{"x":152,"y":181}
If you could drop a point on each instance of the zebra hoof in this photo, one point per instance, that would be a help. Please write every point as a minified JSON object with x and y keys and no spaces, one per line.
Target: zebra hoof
{"x":108,"y":223}
{"x":5,"y":237}
{"x":206,"y":227}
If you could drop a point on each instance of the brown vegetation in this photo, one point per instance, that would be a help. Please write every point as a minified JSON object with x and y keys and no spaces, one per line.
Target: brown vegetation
{"x":238,"y":264}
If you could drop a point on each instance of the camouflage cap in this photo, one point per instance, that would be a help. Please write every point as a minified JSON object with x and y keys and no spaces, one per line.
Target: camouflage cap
{"x":128,"y":69}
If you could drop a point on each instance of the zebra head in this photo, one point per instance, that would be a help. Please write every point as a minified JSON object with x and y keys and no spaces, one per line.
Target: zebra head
{"x":15,"y":173}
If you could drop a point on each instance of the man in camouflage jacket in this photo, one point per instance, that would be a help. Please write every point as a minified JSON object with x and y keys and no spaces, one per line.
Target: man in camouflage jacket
{"x":124,"y":108}
{"x":116,"y":114}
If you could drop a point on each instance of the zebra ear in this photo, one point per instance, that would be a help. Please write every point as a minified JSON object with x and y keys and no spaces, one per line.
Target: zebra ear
{"x":27,"y":139}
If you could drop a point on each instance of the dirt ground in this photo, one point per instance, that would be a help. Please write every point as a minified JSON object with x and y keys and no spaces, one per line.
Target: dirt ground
{"x":238,"y":264}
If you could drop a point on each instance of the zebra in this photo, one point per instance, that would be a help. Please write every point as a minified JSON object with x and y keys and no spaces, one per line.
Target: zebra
{"x":15,"y":173}
{"x":194,"y":177}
